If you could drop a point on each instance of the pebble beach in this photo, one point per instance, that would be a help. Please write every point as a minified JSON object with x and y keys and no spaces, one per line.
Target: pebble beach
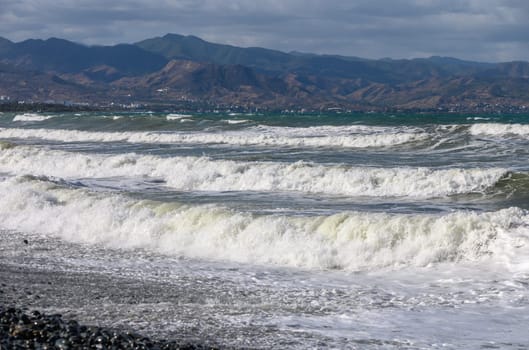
{"x":25,"y":290}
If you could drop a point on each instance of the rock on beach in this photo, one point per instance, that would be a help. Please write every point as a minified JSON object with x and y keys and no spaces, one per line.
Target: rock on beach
{"x":20,"y":329}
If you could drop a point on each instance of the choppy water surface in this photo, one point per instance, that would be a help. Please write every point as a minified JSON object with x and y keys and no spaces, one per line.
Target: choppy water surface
{"x":369,"y":231}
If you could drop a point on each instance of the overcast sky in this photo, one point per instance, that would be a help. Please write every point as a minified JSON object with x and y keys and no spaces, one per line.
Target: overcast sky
{"x":484,"y":30}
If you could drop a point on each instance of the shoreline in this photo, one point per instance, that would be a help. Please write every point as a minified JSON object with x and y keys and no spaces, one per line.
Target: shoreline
{"x":214,"y":304}
{"x":23,"y":329}
{"x":42,"y":107}
{"x":51,"y":301}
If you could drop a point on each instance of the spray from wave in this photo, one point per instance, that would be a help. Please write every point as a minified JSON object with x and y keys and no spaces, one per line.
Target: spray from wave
{"x":177,"y":116}
{"x":496,"y":129}
{"x":246,"y":137}
{"x":205,"y":174}
{"x":349,"y":240}
{"x":31,"y":117}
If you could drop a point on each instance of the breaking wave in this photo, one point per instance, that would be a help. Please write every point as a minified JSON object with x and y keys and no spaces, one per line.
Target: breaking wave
{"x":176,"y":116}
{"x":246,"y":137}
{"x":496,"y":129}
{"x":235,"y":121}
{"x":31,"y":117}
{"x":206,"y":174}
{"x":347,"y":241}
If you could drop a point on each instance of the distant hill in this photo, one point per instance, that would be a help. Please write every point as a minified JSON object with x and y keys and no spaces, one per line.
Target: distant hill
{"x":173,"y":68}
{"x":191,"y":48}
{"x":174,"y":46}
{"x":5,"y":45}
{"x":63,"y":56}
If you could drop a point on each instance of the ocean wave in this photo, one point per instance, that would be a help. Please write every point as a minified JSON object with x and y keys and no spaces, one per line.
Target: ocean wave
{"x":6,"y":145}
{"x":205,"y":174}
{"x":478,"y":118}
{"x":325,"y":130}
{"x":235,"y":121}
{"x":31,"y":117}
{"x":176,"y":116}
{"x":347,"y":241}
{"x":233,"y":138}
{"x":496,"y":129}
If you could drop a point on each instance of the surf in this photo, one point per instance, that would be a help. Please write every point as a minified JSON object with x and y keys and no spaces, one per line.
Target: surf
{"x":348,"y":241}
{"x":243,"y":138}
{"x":31,"y":117}
{"x":207,"y":174}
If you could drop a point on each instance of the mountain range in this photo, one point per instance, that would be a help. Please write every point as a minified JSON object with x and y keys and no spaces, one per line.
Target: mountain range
{"x":176,"y":69}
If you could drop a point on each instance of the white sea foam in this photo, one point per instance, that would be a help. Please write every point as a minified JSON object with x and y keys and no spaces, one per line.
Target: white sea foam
{"x":6,"y":145}
{"x":205,"y":174}
{"x":478,"y":118}
{"x":349,"y":240}
{"x":342,"y":130}
{"x":31,"y":117}
{"x":496,"y":129}
{"x":176,"y":116}
{"x":246,"y":137}
{"x":111,"y":116}
{"x":235,"y":121}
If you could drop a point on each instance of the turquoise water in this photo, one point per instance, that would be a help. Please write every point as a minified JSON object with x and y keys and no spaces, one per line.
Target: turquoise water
{"x":429,"y":210}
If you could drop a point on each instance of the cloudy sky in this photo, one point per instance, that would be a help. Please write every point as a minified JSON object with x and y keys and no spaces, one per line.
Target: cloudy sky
{"x":485,"y":30}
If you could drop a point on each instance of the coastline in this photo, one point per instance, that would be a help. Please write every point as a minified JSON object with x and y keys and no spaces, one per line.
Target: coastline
{"x":269,"y":231}
{"x":27,"y":290}
{"x":220,"y":109}
{"x":176,"y":300}
{"x":22,"y":329}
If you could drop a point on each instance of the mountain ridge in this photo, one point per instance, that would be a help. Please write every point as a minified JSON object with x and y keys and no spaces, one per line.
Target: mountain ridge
{"x":174,"y":67}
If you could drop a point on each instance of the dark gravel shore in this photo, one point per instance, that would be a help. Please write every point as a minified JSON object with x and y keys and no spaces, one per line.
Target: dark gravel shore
{"x":187,"y":303}
{"x":20,"y":329}
{"x":65,"y":302}
{"x":28,"y":295}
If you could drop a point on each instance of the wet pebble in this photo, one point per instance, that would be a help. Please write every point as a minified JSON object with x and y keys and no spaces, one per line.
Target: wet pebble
{"x":20,"y":329}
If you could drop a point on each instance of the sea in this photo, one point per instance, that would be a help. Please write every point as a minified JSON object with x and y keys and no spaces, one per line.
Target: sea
{"x":359,"y":231}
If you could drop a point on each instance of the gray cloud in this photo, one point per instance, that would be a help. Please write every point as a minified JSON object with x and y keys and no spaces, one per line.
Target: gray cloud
{"x":486,"y":30}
